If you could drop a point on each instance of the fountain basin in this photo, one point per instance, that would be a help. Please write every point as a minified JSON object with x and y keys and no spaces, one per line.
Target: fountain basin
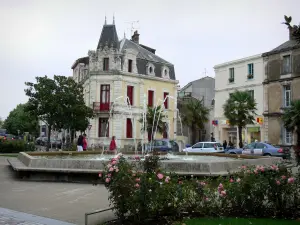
{"x":63,"y":165}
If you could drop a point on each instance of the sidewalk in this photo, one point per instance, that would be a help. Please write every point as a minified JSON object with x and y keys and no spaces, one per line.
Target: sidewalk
{"x":10,"y":217}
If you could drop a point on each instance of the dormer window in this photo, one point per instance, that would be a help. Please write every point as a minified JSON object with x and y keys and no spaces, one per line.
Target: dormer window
{"x":165,"y":72}
{"x":129,"y":65}
{"x":150,"y":69}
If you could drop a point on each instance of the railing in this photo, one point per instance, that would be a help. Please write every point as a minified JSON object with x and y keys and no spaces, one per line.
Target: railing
{"x":101,"y":107}
{"x":95,"y":212}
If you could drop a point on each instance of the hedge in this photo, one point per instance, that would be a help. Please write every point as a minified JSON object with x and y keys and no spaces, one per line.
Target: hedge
{"x":16,"y":146}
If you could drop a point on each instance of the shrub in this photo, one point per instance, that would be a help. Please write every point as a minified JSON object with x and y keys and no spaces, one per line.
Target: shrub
{"x":153,"y":194}
{"x":16,"y":146}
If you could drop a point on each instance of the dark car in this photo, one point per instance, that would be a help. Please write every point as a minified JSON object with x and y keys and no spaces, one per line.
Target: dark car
{"x":260,"y":149}
{"x":162,"y":145}
{"x":54,"y":143}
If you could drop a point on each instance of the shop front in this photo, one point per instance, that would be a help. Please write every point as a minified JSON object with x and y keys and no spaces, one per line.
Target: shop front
{"x":251,"y":134}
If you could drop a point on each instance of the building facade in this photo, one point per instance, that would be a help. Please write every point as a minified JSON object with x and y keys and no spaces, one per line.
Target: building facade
{"x":201,"y":89}
{"x":281,"y":86}
{"x":120,"y":78}
{"x":244,"y":74}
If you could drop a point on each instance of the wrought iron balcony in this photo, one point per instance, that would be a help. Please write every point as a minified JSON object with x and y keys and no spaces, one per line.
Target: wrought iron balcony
{"x":101,"y":107}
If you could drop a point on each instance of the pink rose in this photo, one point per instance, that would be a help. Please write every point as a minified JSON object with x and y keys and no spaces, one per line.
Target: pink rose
{"x":108,"y":175}
{"x":111,"y":169}
{"x":137,"y":157}
{"x":107,"y":180}
{"x":133,"y":174}
{"x":108,"y":165}
{"x":220,"y":186}
{"x":262,"y":169}
{"x":167,"y":180}
{"x":283,"y":177}
{"x":137,"y":185}
{"x":114,"y":162}
{"x":223,"y":193}
{"x":255,"y":171}
{"x":117,"y":170}
{"x":244,"y":167}
{"x":238,"y":180}
{"x":291,"y":180}
{"x":100,"y":174}
{"x":231,"y":180}
{"x":202,"y":183}
{"x":180,"y":182}
{"x":206,"y":199}
{"x":137,"y":180}
{"x":277,"y":182}
{"x":160,"y":176}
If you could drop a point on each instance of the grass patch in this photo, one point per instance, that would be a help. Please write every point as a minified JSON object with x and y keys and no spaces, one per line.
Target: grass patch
{"x":238,"y":221}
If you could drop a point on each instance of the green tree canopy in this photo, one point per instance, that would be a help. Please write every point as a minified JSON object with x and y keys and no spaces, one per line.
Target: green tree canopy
{"x":21,"y":120}
{"x":158,"y":120}
{"x":194,"y":115}
{"x":1,"y":122}
{"x":291,"y":119}
{"x":59,"y":103}
{"x":240,"y":109}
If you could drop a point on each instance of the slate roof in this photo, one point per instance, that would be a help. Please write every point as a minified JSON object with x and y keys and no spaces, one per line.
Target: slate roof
{"x":286,"y":46}
{"x":109,"y":35}
{"x":145,"y":54}
{"x":84,"y":60}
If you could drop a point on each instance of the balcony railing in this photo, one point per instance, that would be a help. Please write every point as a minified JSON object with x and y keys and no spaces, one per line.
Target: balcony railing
{"x":101,"y":107}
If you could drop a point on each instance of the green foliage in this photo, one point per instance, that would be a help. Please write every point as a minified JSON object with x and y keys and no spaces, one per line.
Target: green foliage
{"x":1,"y":123}
{"x":296,"y":29}
{"x":22,"y":120}
{"x":159,"y":120}
{"x":291,"y":119}
{"x":16,"y":146}
{"x":240,"y":109}
{"x":194,"y":115}
{"x":152,"y":195}
{"x":59,"y":102}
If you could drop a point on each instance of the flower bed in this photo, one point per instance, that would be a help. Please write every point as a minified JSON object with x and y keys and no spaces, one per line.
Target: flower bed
{"x":153,"y":194}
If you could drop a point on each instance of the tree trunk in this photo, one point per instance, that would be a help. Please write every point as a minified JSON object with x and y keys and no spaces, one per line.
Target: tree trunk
{"x":193,"y":134}
{"x":48,"y":140}
{"x":240,"y":137}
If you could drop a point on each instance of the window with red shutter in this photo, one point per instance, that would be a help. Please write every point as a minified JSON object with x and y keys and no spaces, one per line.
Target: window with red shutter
{"x":130,"y":94}
{"x":128,"y":128}
{"x":150,"y":98}
{"x":104,"y":97}
{"x":166,"y":103}
{"x":129,"y":65}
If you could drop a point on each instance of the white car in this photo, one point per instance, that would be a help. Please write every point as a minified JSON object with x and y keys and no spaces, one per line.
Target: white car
{"x":215,"y":147}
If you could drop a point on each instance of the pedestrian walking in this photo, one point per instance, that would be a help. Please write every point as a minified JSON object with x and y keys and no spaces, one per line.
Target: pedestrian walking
{"x":80,"y":143}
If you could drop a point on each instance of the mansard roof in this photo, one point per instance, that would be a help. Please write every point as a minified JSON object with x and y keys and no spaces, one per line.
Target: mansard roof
{"x":109,"y":36}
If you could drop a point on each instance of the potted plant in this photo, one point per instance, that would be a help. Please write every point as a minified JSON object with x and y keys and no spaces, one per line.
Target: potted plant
{"x":250,"y":76}
{"x":231,"y":80}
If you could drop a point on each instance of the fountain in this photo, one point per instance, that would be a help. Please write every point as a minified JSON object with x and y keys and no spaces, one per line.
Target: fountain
{"x":61,"y":165}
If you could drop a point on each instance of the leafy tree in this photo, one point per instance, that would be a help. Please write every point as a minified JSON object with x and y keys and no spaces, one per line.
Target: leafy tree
{"x":194,"y":115}
{"x":291,"y":119}
{"x":240,"y":109}
{"x":58,"y":102}
{"x":1,"y":122}
{"x":295,"y":28}
{"x":21,"y":120}
{"x":159,"y":118}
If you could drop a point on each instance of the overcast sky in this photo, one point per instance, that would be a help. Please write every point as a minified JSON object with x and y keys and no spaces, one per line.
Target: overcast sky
{"x":45,"y":37}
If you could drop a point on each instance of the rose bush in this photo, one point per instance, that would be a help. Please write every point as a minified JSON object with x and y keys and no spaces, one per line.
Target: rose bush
{"x":139,"y":191}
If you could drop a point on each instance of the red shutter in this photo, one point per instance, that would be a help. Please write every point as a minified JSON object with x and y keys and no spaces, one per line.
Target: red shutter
{"x":130,"y":94}
{"x":104,"y":97}
{"x":128,"y":128}
{"x":166,"y":103}
{"x":150,"y":98}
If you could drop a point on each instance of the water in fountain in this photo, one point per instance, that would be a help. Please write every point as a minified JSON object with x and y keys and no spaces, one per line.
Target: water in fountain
{"x":128,"y":104}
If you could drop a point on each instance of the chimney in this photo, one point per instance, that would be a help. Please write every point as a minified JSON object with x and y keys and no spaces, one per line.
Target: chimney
{"x":135,"y":37}
{"x":291,"y":32}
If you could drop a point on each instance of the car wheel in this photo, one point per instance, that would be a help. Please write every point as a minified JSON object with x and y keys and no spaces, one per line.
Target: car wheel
{"x":267,"y":154}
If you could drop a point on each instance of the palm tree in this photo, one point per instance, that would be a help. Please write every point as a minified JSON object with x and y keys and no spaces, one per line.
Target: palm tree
{"x":158,"y":120}
{"x":240,"y":109}
{"x":194,"y":115}
{"x":291,"y":119}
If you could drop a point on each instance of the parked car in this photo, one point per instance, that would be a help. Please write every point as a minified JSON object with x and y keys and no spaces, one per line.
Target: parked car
{"x":162,"y":145}
{"x":38,"y":141}
{"x":7,"y":137}
{"x":260,"y":149}
{"x":205,"y":147}
{"x":54,"y":143}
